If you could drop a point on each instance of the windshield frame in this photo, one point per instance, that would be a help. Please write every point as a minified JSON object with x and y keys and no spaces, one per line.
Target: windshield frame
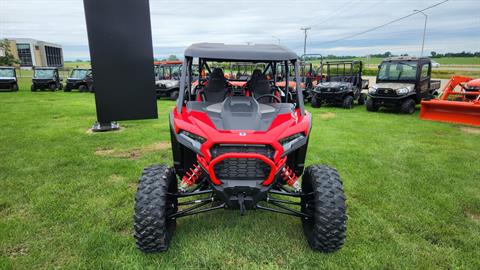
{"x":12,"y":75}
{"x":394,"y":64}
{"x":83,"y":72}
{"x":35,"y":74}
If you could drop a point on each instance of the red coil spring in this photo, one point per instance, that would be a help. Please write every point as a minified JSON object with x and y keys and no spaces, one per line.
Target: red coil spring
{"x":289,"y":176}
{"x":192,"y":175}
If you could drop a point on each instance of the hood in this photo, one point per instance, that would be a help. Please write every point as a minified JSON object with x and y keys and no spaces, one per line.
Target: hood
{"x":74,"y":79}
{"x":394,"y":86}
{"x":333,"y":84}
{"x":174,"y":82}
{"x":8,"y":78}
{"x":242,"y":113}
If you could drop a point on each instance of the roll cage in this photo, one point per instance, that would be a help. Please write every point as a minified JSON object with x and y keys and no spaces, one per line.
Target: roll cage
{"x":270,"y":55}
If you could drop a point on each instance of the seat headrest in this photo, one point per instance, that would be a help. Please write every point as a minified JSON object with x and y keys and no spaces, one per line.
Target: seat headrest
{"x":217,"y":73}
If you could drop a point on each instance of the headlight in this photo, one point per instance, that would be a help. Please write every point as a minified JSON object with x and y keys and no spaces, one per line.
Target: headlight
{"x":195,"y":140}
{"x":288,"y":142}
{"x":404,"y":91}
{"x":372,"y":90}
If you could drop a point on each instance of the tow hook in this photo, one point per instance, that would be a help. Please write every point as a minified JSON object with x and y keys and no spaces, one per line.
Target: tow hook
{"x":241,"y":203}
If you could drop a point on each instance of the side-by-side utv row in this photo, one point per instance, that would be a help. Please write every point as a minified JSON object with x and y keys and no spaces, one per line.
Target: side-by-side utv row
{"x":8,"y":79}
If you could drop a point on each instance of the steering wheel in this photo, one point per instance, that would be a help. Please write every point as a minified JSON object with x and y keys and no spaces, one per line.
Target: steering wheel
{"x":269,"y":95}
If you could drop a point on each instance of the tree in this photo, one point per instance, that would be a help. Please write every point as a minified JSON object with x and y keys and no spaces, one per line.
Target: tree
{"x":172,"y":58}
{"x":7,"y":58}
{"x":433,"y":54}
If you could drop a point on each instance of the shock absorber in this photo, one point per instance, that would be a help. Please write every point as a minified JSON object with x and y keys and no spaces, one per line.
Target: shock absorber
{"x":190,"y":178}
{"x":291,"y":178}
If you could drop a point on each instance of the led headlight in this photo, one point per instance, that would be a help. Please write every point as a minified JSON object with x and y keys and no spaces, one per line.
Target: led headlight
{"x":288,"y":143}
{"x":404,"y":91}
{"x":195,"y":140}
{"x":372,"y":90}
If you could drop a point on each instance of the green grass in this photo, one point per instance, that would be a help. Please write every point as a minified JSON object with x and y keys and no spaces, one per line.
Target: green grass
{"x":412,"y":192}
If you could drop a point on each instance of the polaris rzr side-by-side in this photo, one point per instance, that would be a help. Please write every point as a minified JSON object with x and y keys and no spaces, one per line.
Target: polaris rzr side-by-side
{"x":81,"y":79}
{"x":239,"y":151}
{"x":8,"y":79}
{"x":46,"y":78}
{"x":342,"y":85}
{"x":167,"y":78}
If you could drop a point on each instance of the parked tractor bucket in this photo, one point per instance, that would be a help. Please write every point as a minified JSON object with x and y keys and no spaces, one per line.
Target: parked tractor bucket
{"x":461,"y":105}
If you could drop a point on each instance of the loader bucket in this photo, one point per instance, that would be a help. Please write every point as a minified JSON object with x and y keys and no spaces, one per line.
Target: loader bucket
{"x":459,"y":112}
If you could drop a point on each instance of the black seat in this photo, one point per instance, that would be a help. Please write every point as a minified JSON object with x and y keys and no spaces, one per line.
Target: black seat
{"x":260,"y":86}
{"x":215,"y":90}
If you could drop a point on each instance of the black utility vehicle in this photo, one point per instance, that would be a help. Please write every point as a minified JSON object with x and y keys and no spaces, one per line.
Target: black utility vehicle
{"x":46,"y":78}
{"x":402,"y":82}
{"x":81,"y":79}
{"x":167,"y":78}
{"x":342,"y":85}
{"x":8,"y":79}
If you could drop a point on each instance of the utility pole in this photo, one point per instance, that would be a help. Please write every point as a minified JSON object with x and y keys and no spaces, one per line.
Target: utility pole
{"x":305,"y":29}
{"x":424,"y":28}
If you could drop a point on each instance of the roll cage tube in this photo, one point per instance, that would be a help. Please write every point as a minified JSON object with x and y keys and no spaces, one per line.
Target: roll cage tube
{"x":299,"y":90}
{"x":303,"y":59}
{"x":183,"y":77}
{"x":186,"y":73}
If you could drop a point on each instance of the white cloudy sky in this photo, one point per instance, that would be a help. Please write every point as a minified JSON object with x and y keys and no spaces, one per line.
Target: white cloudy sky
{"x":453,"y":26}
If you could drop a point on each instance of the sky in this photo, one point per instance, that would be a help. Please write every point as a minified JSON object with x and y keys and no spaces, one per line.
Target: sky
{"x":451,"y":27}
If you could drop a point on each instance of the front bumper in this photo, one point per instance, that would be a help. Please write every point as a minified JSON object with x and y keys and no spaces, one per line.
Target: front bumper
{"x":74,"y":84}
{"x":389,"y":101}
{"x":42,"y":84}
{"x":330,"y":96}
{"x":7,"y":84}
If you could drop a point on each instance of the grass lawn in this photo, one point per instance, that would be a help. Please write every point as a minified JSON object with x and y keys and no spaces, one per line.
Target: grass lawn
{"x":66,"y":196}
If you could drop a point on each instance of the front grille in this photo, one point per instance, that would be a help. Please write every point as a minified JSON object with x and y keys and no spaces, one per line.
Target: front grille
{"x":388,"y":92}
{"x":242,"y":168}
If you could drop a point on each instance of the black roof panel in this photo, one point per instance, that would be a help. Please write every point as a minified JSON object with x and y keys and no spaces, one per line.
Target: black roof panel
{"x":257,"y":52}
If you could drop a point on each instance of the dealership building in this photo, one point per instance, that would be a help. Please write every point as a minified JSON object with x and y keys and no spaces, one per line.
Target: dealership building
{"x":36,"y":53}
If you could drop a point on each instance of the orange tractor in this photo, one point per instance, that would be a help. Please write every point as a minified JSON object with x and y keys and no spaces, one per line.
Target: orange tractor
{"x":459,"y":103}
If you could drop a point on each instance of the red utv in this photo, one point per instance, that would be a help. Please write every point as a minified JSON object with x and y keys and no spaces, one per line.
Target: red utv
{"x":239,"y":150}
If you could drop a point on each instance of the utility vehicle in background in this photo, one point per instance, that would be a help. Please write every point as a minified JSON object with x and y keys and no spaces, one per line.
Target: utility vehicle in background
{"x":167,"y":78}
{"x":81,"y":79}
{"x":8,"y":79}
{"x":309,"y":78}
{"x":342,"y":85}
{"x":46,"y":78}
{"x":401,"y":84}
{"x":239,"y":151}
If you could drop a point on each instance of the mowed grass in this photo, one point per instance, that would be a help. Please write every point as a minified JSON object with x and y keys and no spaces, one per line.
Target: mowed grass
{"x":66,"y":195}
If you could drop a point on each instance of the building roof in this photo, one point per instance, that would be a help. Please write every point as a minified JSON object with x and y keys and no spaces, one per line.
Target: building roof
{"x":34,"y":41}
{"x":257,"y":52}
